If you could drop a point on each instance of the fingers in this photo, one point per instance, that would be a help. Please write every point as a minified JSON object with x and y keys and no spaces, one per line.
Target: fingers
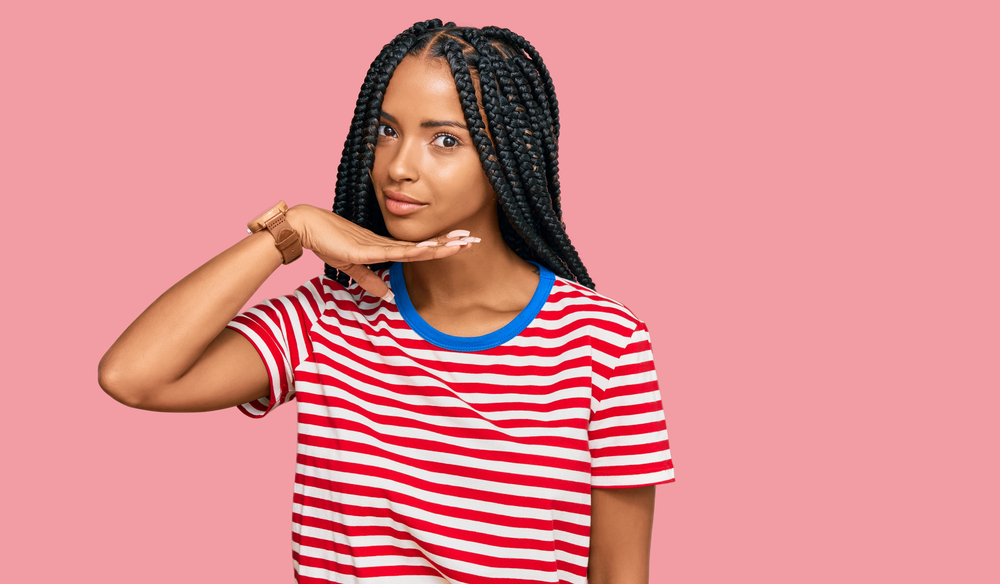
{"x":393,"y":250}
{"x":404,"y":251}
{"x":442,"y":246}
{"x":339,"y":242}
{"x":368,"y":280}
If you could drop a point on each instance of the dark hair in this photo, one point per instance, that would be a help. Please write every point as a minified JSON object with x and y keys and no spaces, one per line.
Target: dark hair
{"x":522,"y":115}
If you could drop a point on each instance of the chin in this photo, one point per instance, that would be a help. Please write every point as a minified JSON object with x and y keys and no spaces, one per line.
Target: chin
{"x":407,"y":231}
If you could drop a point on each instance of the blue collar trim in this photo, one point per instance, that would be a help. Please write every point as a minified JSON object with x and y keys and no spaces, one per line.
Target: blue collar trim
{"x":468,"y":344}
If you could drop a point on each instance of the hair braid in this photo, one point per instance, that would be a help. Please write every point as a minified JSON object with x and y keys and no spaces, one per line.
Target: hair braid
{"x":542,"y":126}
{"x":542,"y":202}
{"x":548,"y":115}
{"x":517,"y":41}
{"x":467,"y":95}
{"x":514,"y":205}
{"x":527,"y":153}
{"x":509,"y":111}
{"x":504,"y":180}
{"x":549,"y":103}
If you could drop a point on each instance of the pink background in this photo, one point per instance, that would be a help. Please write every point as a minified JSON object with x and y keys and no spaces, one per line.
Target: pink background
{"x":800,"y":199}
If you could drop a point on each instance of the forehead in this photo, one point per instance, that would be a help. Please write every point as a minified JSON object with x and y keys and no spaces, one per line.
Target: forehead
{"x":422,"y":88}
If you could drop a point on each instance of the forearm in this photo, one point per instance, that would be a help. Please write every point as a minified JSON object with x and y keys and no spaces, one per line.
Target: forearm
{"x":174,"y":357}
{"x":170,"y":336}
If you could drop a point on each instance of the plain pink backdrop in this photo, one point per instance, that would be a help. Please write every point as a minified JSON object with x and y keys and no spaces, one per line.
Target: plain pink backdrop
{"x":801,"y":199}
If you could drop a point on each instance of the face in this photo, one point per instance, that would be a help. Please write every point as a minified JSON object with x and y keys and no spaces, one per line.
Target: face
{"x":427,"y":175}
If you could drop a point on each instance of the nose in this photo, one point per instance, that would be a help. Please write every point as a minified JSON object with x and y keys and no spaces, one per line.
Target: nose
{"x":405,"y":162}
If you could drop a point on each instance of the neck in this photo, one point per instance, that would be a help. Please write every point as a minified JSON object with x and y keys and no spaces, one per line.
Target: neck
{"x":489,"y":274}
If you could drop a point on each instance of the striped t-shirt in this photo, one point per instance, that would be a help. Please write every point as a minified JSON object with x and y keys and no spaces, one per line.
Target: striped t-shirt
{"x":429,"y":458}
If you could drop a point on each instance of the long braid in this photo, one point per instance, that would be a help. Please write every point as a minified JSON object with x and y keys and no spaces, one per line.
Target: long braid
{"x":516,"y":41}
{"x":467,"y":95}
{"x":516,"y":221}
{"x":532,"y":170}
{"x":521,"y":161}
{"x":542,"y":202}
{"x":550,"y":103}
{"x":515,"y":207}
{"x":545,"y":96}
{"x":503,"y":178}
{"x":532,"y":121}
{"x":543,"y":126}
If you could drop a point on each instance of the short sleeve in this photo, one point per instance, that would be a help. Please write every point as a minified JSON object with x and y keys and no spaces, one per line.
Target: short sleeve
{"x":628,"y":431}
{"x":279,"y":329}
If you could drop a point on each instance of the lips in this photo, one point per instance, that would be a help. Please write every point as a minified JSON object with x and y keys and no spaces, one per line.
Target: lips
{"x":400,"y":204}
{"x":401,"y":197}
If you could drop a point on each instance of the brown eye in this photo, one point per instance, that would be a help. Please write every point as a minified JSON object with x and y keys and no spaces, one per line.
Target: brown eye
{"x":445,"y":141}
{"x":387,"y":131}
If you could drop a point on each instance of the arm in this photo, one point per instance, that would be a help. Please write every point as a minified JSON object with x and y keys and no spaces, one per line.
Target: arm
{"x":177,"y":348}
{"x":178,"y":355}
{"x":621,"y":528}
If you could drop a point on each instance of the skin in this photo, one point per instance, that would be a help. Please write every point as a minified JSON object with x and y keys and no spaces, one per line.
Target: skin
{"x":178,"y":356}
{"x":621,"y":527}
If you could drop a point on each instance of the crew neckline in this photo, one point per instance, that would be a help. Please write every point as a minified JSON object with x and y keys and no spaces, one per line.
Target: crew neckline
{"x":468,"y":344}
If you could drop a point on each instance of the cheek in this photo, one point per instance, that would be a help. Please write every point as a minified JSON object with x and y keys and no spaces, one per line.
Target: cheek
{"x":468,"y":175}
{"x":378,"y":167}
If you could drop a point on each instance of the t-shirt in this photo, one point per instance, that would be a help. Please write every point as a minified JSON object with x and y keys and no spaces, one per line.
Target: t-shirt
{"x":426,"y":457}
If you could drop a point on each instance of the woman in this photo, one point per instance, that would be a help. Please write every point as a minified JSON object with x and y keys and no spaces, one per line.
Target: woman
{"x":469,"y":409}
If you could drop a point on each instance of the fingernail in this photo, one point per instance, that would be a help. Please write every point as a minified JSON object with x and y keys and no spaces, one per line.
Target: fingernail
{"x":455,"y":242}
{"x":389,"y":297}
{"x":471,"y":239}
{"x":458,"y":233}
{"x":427,"y":244}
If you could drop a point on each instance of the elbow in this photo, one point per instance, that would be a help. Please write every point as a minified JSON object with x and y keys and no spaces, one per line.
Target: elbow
{"x":116,"y":384}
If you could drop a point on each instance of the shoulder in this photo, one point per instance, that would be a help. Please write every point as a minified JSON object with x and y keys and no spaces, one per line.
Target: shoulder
{"x":609,"y":319}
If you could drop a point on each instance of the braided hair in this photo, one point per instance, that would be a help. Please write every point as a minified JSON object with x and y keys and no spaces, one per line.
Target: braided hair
{"x":503,"y":71}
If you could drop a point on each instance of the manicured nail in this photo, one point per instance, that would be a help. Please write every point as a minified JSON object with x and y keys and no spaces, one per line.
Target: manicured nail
{"x":471,"y":239}
{"x":458,"y":233}
{"x":455,"y":242}
{"x":427,"y":243}
{"x":389,"y":297}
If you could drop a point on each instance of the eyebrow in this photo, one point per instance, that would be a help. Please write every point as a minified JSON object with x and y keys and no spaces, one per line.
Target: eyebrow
{"x":430,"y":123}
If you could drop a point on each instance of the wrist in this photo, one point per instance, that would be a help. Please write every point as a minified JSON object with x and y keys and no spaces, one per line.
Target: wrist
{"x":294,"y":216}
{"x":286,"y":238}
{"x":299,"y":218}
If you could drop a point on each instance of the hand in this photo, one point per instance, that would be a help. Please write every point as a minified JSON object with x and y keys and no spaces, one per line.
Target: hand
{"x":349,"y":247}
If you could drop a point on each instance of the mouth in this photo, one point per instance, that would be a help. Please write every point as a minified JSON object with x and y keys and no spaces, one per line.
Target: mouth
{"x":401,"y":204}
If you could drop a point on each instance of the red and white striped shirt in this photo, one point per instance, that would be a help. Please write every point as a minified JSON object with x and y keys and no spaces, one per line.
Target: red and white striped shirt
{"x":424,"y":457}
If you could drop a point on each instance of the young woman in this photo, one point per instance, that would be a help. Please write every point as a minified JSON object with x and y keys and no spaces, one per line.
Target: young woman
{"x":469,"y":409}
